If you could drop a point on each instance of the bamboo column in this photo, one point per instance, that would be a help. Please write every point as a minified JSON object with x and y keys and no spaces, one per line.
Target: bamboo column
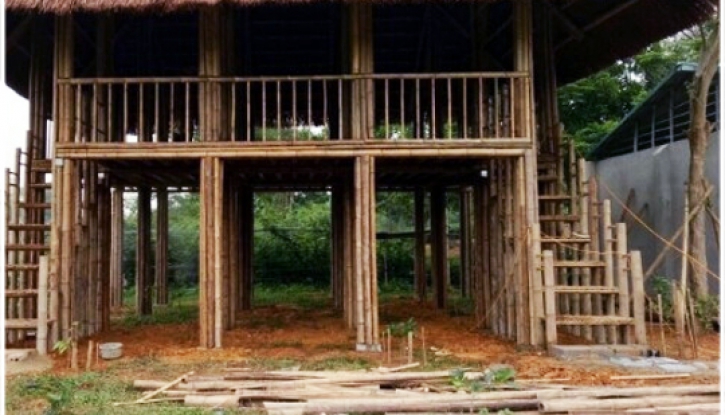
{"x":116,"y":273}
{"x":439,"y":246}
{"x":523,"y":61}
{"x":234,"y":280}
{"x":104,"y":269}
{"x":67,"y":260}
{"x":336,"y":247}
{"x":162,"y":245}
{"x":622,"y":266}
{"x":207,"y":245}
{"x":42,"y":335}
{"x":144,"y":304}
{"x":360,"y":49}
{"x":421,"y":283}
{"x":465,"y":240}
{"x":247,"y":244}
{"x":349,"y":250}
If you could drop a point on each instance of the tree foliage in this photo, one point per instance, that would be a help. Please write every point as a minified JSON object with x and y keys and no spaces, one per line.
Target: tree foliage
{"x":591,"y":107}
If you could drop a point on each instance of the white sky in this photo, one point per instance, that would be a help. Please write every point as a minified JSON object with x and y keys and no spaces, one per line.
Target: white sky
{"x":14,"y":123}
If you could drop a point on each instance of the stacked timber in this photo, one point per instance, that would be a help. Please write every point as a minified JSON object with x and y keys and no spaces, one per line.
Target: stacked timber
{"x":386,"y":391}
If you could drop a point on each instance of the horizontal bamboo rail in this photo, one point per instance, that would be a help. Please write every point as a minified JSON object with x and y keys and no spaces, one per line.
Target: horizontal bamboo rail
{"x":438,"y":106}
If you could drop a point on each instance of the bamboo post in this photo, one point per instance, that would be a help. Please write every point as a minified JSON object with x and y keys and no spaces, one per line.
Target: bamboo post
{"x":74,"y":346}
{"x":143,"y":257}
{"x":218,"y":229}
{"x":640,"y":330}
{"x":693,"y":325}
{"x":537,"y":304}
{"x":42,"y":335}
{"x":662,"y":325}
{"x":162,"y":243}
{"x":206,"y":248}
{"x":89,"y":355}
{"x":439,"y":262}
{"x":465,"y":241}
{"x":420,"y":272}
{"x":609,"y":265}
{"x":678,"y":314}
{"x":685,"y":246}
{"x":410,"y":347}
{"x":358,"y":254}
{"x":116,"y":275}
{"x":622,"y":280}
{"x":422,"y":346}
{"x":550,"y":303}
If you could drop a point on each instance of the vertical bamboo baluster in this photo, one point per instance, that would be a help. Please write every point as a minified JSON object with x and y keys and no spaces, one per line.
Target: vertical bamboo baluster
{"x":109,"y":114}
{"x":339,"y":109}
{"x":94,"y":114}
{"x":156,"y":129}
{"x":187,"y":118}
{"x":622,"y":280}
{"x":417,"y":110}
{"x":279,"y":111}
{"x":433,"y":132}
{"x":496,"y":109}
{"x":233,"y":86}
{"x":325,"y":121}
{"x":449,"y":104}
{"x":77,"y":115}
{"x":387,"y":108}
{"x":172,"y":114}
{"x":464,"y":82}
{"x":250,"y":128}
{"x":141,"y":133}
{"x":309,"y":106}
{"x":294,"y":110}
{"x":402,"y":109}
{"x":264,"y":111}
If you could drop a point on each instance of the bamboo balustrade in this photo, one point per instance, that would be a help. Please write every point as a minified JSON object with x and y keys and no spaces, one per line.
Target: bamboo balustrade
{"x":290,"y":109}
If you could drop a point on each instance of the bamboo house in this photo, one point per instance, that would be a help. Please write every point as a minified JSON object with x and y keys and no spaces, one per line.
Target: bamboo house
{"x":229,"y":98}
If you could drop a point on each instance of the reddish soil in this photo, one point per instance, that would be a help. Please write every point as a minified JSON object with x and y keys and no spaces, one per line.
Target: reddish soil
{"x":311,"y":335}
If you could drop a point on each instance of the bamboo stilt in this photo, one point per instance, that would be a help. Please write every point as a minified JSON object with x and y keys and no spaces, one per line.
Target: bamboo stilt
{"x":143,"y":249}
{"x":162,"y":244}
{"x":439,"y":246}
{"x":419,"y":218}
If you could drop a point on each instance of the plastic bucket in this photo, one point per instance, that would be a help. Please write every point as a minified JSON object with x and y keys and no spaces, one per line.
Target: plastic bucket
{"x":110,"y":351}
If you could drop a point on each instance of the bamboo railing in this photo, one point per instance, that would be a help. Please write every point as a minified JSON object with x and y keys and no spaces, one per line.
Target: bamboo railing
{"x":464,"y":106}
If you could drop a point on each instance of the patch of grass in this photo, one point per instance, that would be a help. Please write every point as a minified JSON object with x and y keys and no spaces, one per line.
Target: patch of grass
{"x":334,"y":346}
{"x":183,"y":307}
{"x":460,"y":306}
{"x":83,"y":393}
{"x":304,"y":296}
{"x":338,"y":363}
{"x":272,"y":322}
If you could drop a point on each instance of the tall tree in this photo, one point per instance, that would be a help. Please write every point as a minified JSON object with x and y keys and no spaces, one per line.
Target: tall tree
{"x":699,"y":134}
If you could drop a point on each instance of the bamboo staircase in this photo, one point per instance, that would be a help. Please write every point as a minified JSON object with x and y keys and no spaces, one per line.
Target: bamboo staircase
{"x":27,"y":216}
{"x":591,"y":285}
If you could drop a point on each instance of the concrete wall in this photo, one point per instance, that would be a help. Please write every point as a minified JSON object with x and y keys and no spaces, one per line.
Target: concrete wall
{"x":658,"y":177}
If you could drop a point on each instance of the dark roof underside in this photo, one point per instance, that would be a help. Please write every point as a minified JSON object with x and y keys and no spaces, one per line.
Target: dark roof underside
{"x":590,"y":34}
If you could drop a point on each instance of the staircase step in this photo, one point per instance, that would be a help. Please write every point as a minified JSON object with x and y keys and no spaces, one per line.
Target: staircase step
{"x":35,"y":205}
{"x":28,"y":227}
{"x":42,"y":165}
{"x":21,"y":293}
{"x":574,"y":320}
{"x":589,"y":289}
{"x":562,"y":218}
{"x":566,"y":241}
{"x":578,"y":264}
{"x":554,"y":197}
{"x":22,"y":323}
{"x":40,"y":185}
{"x":27,"y":247}
{"x":21,"y":267}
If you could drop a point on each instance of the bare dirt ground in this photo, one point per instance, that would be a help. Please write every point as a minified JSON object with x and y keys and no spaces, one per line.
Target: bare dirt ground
{"x":307,"y":335}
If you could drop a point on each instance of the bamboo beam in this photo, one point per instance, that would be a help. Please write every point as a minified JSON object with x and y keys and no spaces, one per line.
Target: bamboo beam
{"x":143,"y":253}
{"x":162,"y":245}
